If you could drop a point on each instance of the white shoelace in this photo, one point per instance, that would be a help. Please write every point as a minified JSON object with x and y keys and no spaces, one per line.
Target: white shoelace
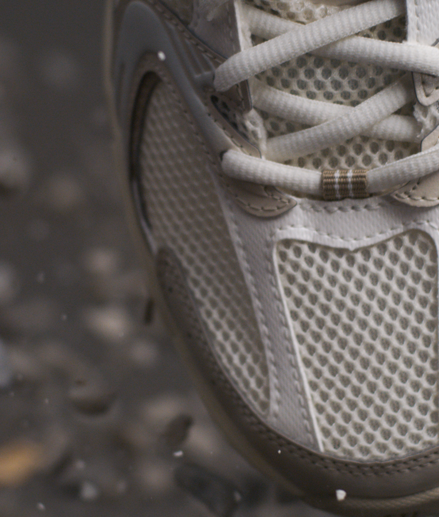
{"x":332,"y":36}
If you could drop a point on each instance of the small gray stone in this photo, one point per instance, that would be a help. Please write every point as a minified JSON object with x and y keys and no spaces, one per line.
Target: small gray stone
{"x":220,"y":496}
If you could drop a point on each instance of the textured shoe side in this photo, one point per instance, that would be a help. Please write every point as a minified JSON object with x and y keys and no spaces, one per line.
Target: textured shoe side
{"x":315,"y":340}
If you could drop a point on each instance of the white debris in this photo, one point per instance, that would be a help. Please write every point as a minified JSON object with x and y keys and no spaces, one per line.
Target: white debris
{"x":178,"y":454}
{"x":161,"y":55}
{"x":340,"y":495}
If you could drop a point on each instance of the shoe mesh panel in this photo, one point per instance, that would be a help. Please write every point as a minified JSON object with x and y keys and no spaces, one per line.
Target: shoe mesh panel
{"x":334,"y":81}
{"x":186,"y":215}
{"x":366,"y":328}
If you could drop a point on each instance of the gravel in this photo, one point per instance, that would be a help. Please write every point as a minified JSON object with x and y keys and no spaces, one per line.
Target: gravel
{"x":98,"y":414}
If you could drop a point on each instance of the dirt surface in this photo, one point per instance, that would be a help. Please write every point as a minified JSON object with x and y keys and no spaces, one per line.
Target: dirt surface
{"x":98,"y":415}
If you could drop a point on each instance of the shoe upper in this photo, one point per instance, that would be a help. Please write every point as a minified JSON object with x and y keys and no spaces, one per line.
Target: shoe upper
{"x":313,"y":314}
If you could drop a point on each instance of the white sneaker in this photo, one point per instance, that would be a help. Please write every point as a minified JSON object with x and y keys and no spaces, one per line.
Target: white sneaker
{"x":283,"y":162}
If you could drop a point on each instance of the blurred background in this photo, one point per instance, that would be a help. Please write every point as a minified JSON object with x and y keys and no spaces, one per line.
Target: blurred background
{"x":97,"y":414}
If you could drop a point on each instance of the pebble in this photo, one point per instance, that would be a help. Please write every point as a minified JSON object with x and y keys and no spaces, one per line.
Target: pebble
{"x":155,"y":476}
{"x":15,"y":170}
{"x":219,"y":495}
{"x":204,"y":442}
{"x":91,"y":398}
{"x":159,"y":411}
{"x":102,"y":261}
{"x":112,"y":324}
{"x":177,"y":431}
{"x":57,"y":447}
{"x":19,"y":461}
{"x":144,"y":353}
{"x":62,"y":193}
{"x":26,"y":364}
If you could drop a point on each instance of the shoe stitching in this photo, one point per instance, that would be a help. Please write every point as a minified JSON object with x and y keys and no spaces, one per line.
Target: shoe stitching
{"x":256,"y":297}
{"x":359,"y":239}
{"x":288,"y":337}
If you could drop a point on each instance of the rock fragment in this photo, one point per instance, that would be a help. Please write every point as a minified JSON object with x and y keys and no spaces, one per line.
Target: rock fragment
{"x":219,"y":495}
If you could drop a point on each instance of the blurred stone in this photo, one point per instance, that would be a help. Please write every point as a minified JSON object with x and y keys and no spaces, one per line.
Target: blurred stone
{"x":26,"y":365}
{"x":9,"y":283}
{"x":89,"y":492}
{"x":56,"y":448}
{"x":62,"y":193}
{"x":177,"y":431}
{"x":129,"y":284}
{"x":204,"y":442}
{"x":107,"y":280}
{"x":19,"y":461}
{"x":144,"y":353}
{"x":102,"y":261}
{"x":91,"y":398}
{"x":155,"y":476}
{"x":14,"y":170}
{"x":111,"y":323}
{"x":135,"y":436}
{"x":6,"y":370}
{"x":98,"y":473}
{"x":59,"y":357}
{"x":159,"y":411}
{"x":59,"y":70}
{"x":220,"y":496}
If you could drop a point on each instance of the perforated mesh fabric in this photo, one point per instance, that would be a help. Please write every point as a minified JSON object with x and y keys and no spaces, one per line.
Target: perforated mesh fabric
{"x":182,"y":8}
{"x":186,"y":216}
{"x":334,"y":81}
{"x":366,"y":328}
{"x":302,"y":11}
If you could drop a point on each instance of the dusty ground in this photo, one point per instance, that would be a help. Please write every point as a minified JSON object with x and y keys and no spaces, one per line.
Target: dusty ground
{"x":97,"y":414}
